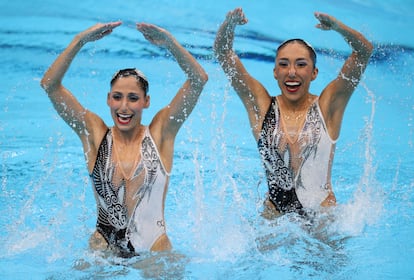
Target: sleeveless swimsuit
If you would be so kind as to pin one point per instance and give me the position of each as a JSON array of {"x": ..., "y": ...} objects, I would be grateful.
[
  {"x": 308, "y": 184},
  {"x": 137, "y": 231}
]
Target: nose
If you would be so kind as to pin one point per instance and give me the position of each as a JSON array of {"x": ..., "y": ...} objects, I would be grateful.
[
  {"x": 124, "y": 105},
  {"x": 292, "y": 71}
]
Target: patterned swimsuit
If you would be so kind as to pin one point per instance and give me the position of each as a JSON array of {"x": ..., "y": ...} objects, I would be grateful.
[
  {"x": 130, "y": 233},
  {"x": 307, "y": 185}
]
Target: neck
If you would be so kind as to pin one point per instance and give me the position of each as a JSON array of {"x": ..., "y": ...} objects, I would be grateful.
[
  {"x": 295, "y": 106},
  {"x": 127, "y": 137}
]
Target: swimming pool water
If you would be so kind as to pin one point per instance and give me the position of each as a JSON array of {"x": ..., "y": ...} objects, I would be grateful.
[{"x": 217, "y": 186}]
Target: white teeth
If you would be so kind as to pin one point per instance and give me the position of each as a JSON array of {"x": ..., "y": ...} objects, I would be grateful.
[
  {"x": 124, "y": 116},
  {"x": 292, "y": 84}
]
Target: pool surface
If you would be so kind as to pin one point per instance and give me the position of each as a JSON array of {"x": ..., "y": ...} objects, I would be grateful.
[{"x": 214, "y": 203}]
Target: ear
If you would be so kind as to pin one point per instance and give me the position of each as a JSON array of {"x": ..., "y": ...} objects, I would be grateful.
[
  {"x": 274, "y": 73},
  {"x": 108, "y": 98},
  {"x": 315, "y": 73},
  {"x": 147, "y": 101}
]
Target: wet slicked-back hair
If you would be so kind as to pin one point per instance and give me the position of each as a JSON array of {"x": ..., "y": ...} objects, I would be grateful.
[
  {"x": 311, "y": 50},
  {"x": 132, "y": 72}
]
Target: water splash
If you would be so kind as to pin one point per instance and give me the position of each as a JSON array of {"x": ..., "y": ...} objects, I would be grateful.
[
  {"x": 366, "y": 206},
  {"x": 221, "y": 232}
]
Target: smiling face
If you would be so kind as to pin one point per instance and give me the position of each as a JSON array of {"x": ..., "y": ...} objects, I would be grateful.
[
  {"x": 294, "y": 71},
  {"x": 127, "y": 100}
]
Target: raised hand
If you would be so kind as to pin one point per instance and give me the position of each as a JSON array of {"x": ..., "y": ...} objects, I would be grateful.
[
  {"x": 98, "y": 31},
  {"x": 236, "y": 17},
  {"x": 154, "y": 34},
  {"x": 327, "y": 22}
]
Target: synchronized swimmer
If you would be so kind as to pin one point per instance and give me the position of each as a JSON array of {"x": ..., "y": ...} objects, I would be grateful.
[{"x": 130, "y": 163}]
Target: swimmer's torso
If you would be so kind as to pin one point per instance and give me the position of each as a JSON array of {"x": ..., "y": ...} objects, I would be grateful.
[
  {"x": 130, "y": 206},
  {"x": 299, "y": 161}
]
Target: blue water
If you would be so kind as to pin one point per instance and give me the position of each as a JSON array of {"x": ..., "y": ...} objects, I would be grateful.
[{"x": 217, "y": 187}]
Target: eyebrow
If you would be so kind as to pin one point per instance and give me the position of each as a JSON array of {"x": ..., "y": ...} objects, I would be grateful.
[
  {"x": 120, "y": 92},
  {"x": 297, "y": 59}
]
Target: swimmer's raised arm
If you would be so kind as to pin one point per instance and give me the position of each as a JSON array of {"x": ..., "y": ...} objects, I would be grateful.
[
  {"x": 251, "y": 92},
  {"x": 72, "y": 112},
  {"x": 336, "y": 95},
  {"x": 172, "y": 116}
]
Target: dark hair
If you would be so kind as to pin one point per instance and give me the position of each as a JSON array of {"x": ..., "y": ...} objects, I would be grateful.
[
  {"x": 302, "y": 42},
  {"x": 132, "y": 72}
]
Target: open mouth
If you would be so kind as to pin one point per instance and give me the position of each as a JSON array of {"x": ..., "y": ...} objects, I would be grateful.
[
  {"x": 292, "y": 86},
  {"x": 124, "y": 118}
]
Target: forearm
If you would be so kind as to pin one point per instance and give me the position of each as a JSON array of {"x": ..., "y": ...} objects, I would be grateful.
[
  {"x": 186, "y": 98},
  {"x": 356, "y": 40},
  {"x": 223, "y": 44},
  {"x": 186, "y": 61},
  {"x": 225, "y": 54},
  {"x": 54, "y": 75}
]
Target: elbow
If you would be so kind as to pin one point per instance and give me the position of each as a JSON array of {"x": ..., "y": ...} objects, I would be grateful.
[
  {"x": 201, "y": 78},
  {"x": 364, "y": 51},
  {"x": 198, "y": 80},
  {"x": 49, "y": 83},
  {"x": 369, "y": 48},
  {"x": 45, "y": 83},
  {"x": 204, "y": 78}
]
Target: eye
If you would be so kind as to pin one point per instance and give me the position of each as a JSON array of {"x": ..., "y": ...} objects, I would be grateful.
[
  {"x": 301, "y": 63},
  {"x": 116, "y": 96},
  {"x": 283, "y": 63},
  {"x": 133, "y": 97}
]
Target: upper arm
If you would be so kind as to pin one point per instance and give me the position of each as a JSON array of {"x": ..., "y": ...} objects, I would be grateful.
[
  {"x": 336, "y": 95},
  {"x": 252, "y": 93},
  {"x": 88, "y": 126},
  {"x": 167, "y": 122},
  {"x": 178, "y": 110},
  {"x": 68, "y": 107}
]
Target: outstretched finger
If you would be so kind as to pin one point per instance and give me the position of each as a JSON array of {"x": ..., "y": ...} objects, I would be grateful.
[
  {"x": 112, "y": 25},
  {"x": 321, "y": 26},
  {"x": 107, "y": 28}
]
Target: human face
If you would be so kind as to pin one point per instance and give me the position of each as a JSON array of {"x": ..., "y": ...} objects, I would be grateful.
[
  {"x": 127, "y": 101},
  {"x": 294, "y": 71}
]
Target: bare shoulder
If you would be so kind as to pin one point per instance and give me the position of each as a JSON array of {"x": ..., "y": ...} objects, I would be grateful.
[
  {"x": 329, "y": 98},
  {"x": 157, "y": 125},
  {"x": 94, "y": 131},
  {"x": 257, "y": 113},
  {"x": 164, "y": 139}
]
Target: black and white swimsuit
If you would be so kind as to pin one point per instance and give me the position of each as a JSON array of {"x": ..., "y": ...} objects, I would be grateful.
[
  {"x": 307, "y": 185},
  {"x": 136, "y": 231}
]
